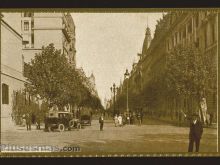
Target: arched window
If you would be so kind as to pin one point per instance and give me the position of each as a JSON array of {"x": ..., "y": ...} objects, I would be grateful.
[{"x": 5, "y": 94}]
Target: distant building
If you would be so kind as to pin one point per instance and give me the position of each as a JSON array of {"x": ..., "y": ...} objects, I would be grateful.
[
  {"x": 41, "y": 29},
  {"x": 92, "y": 84},
  {"x": 89, "y": 81},
  {"x": 11, "y": 65}
]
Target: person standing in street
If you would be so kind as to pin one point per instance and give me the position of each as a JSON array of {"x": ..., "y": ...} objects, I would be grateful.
[
  {"x": 28, "y": 121},
  {"x": 101, "y": 122},
  {"x": 116, "y": 120},
  {"x": 195, "y": 133},
  {"x": 120, "y": 120},
  {"x": 38, "y": 123},
  {"x": 139, "y": 118},
  {"x": 203, "y": 108}
]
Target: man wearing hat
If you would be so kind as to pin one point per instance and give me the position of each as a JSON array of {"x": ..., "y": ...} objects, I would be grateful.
[{"x": 195, "y": 133}]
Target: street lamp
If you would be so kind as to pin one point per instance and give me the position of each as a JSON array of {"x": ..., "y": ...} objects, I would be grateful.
[
  {"x": 113, "y": 89},
  {"x": 126, "y": 76}
]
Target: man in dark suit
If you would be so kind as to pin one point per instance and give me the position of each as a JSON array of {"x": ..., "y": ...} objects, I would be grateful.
[{"x": 195, "y": 133}]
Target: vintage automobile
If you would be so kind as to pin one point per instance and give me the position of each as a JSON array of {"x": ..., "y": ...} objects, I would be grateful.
[
  {"x": 86, "y": 117},
  {"x": 86, "y": 120},
  {"x": 61, "y": 121}
]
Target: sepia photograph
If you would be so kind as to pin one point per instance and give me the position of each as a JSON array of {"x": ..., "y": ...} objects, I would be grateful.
[{"x": 96, "y": 82}]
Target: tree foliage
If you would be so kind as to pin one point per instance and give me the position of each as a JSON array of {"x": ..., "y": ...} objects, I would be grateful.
[
  {"x": 188, "y": 71},
  {"x": 52, "y": 79},
  {"x": 23, "y": 104}
]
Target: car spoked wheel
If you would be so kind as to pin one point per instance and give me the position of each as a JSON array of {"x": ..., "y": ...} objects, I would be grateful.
[{"x": 61, "y": 127}]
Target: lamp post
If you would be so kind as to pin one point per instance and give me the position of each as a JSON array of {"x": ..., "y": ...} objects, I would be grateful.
[
  {"x": 126, "y": 75},
  {"x": 113, "y": 89}
]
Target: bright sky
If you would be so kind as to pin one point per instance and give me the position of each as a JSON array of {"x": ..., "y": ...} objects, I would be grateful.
[{"x": 108, "y": 43}]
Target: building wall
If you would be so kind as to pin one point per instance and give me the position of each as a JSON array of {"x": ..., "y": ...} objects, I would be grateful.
[
  {"x": 46, "y": 28},
  {"x": 45, "y": 37},
  {"x": 11, "y": 48},
  {"x": 11, "y": 67},
  {"x": 13, "y": 19}
]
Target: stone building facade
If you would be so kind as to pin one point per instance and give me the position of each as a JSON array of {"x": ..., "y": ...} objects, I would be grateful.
[{"x": 175, "y": 28}]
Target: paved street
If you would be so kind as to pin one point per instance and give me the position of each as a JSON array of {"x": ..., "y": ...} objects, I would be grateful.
[{"x": 130, "y": 138}]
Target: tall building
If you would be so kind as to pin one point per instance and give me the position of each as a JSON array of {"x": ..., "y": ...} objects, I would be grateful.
[
  {"x": 175, "y": 28},
  {"x": 11, "y": 65},
  {"x": 41, "y": 29}
]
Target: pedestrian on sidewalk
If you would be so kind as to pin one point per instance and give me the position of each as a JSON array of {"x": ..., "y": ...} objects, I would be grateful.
[
  {"x": 195, "y": 133},
  {"x": 120, "y": 120},
  {"x": 28, "y": 121},
  {"x": 116, "y": 120},
  {"x": 38, "y": 123},
  {"x": 139, "y": 119},
  {"x": 128, "y": 119},
  {"x": 101, "y": 122}
]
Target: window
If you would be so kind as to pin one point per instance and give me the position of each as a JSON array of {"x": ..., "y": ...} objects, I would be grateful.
[
  {"x": 197, "y": 42},
  {"x": 32, "y": 39},
  {"x": 197, "y": 20},
  {"x": 205, "y": 36},
  {"x": 184, "y": 33},
  {"x": 176, "y": 37},
  {"x": 26, "y": 25},
  {"x": 28, "y": 14},
  {"x": 213, "y": 33},
  {"x": 190, "y": 27},
  {"x": 168, "y": 46},
  {"x": 5, "y": 94}
]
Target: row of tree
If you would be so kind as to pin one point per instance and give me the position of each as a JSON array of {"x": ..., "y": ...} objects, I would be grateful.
[
  {"x": 186, "y": 76},
  {"x": 54, "y": 81}
]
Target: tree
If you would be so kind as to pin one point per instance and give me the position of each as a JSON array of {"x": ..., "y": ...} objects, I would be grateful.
[
  {"x": 52, "y": 79},
  {"x": 22, "y": 104},
  {"x": 188, "y": 72}
]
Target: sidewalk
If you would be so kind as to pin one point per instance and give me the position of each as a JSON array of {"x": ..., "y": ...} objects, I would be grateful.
[{"x": 20, "y": 128}]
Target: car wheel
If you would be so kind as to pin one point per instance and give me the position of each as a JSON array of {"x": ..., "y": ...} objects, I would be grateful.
[
  {"x": 61, "y": 127},
  {"x": 71, "y": 124}
]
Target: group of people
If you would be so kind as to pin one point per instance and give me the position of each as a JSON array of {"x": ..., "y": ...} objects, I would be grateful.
[
  {"x": 121, "y": 120},
  {"x": 118, "y": 120},
  {"x": 27, "y": 120}
]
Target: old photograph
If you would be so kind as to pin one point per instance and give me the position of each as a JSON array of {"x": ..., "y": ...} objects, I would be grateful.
[{"x": 109, "y": 83}]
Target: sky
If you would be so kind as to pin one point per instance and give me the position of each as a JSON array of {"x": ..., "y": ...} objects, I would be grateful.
[{"x": 108, "y": 43}]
